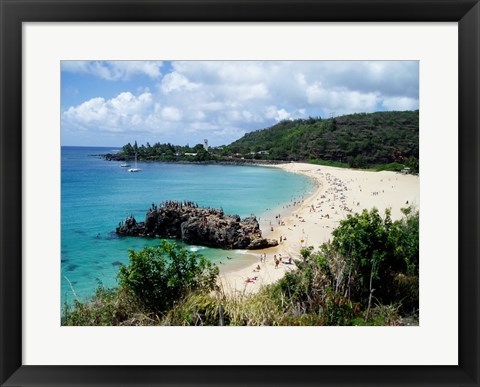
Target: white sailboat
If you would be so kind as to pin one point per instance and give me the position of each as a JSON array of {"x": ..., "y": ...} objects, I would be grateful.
[
  {"x": 135, "y": 169},
  {"x": 125, "y": 165}
]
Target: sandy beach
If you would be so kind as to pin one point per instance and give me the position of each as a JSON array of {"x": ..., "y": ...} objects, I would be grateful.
[{"x": 310, "y": 221}]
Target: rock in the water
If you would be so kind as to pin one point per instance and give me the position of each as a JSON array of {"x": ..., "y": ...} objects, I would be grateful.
[{"x": 199, "y": 226}]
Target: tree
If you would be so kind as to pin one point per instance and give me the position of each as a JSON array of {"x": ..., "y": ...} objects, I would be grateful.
[
  {"x": 362, "y": 239},
  {"x": 358, "y": 161},
  {"x": 198, "y": 148},
  {"x": 202, "y": 155},
  {"x": 383, "y": 254},
  {"x": 413, "y": 164},
  {"x": 128, "y": 150},
  {"x": 158, "y": 277}
]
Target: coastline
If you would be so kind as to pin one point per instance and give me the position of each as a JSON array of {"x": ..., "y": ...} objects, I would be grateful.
[{"x": 339, "y": 192}]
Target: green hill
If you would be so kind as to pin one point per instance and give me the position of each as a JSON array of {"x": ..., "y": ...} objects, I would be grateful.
[
  {"x": 382, "y": 140},
  {"x": 357, "y": 140}
]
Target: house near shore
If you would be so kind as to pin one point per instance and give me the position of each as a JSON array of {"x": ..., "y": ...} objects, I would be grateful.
[{"x": 405, "y": 171}]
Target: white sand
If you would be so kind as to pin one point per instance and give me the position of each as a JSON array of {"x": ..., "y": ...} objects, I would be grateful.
[{"x": 339, "y": 192}]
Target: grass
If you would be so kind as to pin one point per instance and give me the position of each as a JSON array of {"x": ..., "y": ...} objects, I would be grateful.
[
  {"x": 271, "y": 306},
  {"x": 329, "y": 163},
  {"x": 394, "y": 167}
]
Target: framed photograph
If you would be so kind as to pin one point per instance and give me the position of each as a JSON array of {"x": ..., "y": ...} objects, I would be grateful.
[{"x": 239, "y": 193}]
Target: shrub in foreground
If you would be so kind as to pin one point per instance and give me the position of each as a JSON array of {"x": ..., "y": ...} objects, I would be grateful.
[
  {"x": 151, "y": 284},
  {"x": 159, "y": 277}
]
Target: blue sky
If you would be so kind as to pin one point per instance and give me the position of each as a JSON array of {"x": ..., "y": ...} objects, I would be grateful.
[{"x": 111, "y": 103}]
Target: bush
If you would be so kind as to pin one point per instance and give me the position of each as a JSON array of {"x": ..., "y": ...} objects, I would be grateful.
[
  {"x": 195, "y": 309},
  {"x": 394, "y": 167},
  {"x": 107, "y": 307},
  {"x": 159, "y": 277},
  {"x": 317, "y": 290},
  {"x": 383, "y": 254}
]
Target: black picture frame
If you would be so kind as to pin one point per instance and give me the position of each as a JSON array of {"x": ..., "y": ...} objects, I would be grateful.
[{"x": 15, "y": 12}]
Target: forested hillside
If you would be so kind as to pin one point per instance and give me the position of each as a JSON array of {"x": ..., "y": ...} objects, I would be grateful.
[{"x": 359, "y": 140}]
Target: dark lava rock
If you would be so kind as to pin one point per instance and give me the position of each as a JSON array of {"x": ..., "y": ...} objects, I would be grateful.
[{"x": 199, "y": 226}]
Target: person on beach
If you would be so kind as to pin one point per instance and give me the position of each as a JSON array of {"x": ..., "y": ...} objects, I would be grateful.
[{"x": 276, "y": 263}]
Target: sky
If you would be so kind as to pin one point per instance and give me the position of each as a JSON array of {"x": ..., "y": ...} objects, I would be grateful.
[{"x": 111, "y": 103}]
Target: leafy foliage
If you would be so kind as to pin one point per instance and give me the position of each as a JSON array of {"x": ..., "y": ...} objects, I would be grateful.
[
  {"x": 107, "y": 307},
  {"x": 158, "y": 277},
  {"x": 358, "y": 140},
  {"x": 164, "y": 152},
  {"x": 150, "y": 285},
  {"x": 369, "y": 255},
  {"x": 383, "y": 255}
]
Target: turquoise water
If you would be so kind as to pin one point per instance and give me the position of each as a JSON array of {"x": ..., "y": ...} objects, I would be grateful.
[{"x": 98, "y": 194}]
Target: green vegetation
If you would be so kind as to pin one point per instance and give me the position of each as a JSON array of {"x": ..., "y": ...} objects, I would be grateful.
[
  {"x": 367, "y": 275},
  {"x": 329, "y": 163},
  {"x": 359, "y": 140},
  {"x": 392, "y": 167},
  {"x": 164, "y": 152},
  {"x": 159, "y": 277},
  {"x": 153, "y": 282},
  {"x": 385, "y": 140}
]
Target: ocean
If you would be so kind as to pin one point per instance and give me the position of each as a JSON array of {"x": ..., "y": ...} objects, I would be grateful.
[{"x": 98, "y": 194}]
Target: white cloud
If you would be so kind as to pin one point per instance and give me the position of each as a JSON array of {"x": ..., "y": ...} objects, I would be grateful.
[
  {"x": 114, "y": 70},
  {"x": 239, "y": 93},
  {"x": 201, "y": 127},
  {"x": 341, "y": 100},
  {"x": 229, "y": 98},
  {"x": 282, "y": 114},
  {"x": 400, "y": 103},
  {"x": 171, "y": 114},
  {"x": 219, "y": 72},
  {"x": 92, "y": 110},
  {"x": 199, "y": 115},
  {"x": 118, "y": 114},
  {"x": 230, "y": 132},
  {"x": 212, "y": 106},
  {"x": 127, "y": 103},
  {"x": 175, "y": 81}
]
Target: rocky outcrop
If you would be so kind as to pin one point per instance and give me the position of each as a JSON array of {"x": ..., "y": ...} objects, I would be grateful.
[{"x": 198, "y": 226}]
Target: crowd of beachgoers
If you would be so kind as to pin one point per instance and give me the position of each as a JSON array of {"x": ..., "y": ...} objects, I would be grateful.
[{"x": 309, "y": 221}]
